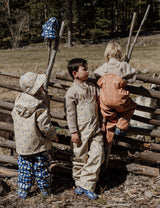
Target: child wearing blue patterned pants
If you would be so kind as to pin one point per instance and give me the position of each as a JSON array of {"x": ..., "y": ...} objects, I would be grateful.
[{"x": 33, "y": 134}]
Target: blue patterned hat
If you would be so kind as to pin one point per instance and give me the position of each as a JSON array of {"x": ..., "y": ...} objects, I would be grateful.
[{"x": 50, "y": 28}]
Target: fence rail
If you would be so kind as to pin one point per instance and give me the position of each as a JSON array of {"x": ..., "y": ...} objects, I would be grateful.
[{"x": 133, "y": 150}]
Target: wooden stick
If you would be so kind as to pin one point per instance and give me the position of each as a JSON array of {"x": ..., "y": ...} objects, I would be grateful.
[
  {"x": 49, "y": 40},
  {"x": 52, "y": 59},
  {"x": 109, "y": 147},
  {"x": 130, "y": 36},
  {"x": 135, "y": 40}
]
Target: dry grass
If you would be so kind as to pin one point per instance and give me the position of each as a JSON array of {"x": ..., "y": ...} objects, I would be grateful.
[{"x": 34, "y": 58}]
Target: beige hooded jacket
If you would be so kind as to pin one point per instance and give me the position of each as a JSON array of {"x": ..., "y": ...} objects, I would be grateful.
[{"x": 32, "y": 124}]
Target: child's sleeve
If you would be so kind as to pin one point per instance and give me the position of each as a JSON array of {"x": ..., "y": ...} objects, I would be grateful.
[
  {"x": 45, "y": 125},
  {"x": 70, "y": 107},
  {"x": 128, "y": 73}
]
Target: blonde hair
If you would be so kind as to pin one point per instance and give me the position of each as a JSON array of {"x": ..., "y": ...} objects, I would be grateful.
[{"x": 113, "y": 50}]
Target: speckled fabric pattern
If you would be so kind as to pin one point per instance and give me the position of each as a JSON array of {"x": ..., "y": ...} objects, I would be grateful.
[
  {"x": 81, "y": 103},
  {"x": 31, "y": 82},
  {"x": 32, "y": 125}
]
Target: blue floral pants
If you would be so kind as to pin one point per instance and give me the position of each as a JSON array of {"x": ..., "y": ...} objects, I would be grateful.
[{"x": 31, "y": 168}]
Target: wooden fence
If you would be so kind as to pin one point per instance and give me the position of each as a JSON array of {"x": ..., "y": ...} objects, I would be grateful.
[{"x": 130, "y": 154}]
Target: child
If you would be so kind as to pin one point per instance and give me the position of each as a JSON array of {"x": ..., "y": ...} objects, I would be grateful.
[
  {"x": 116, "y": 106},
  {"x": 33, "y": 134},
  {"x": 83, "y": 122}
]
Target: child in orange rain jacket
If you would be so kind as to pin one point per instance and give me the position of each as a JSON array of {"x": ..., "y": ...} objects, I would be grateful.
[{"x": 116, "y": 106}]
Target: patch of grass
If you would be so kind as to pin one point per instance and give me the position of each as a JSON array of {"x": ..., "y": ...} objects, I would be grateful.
[{"x": 34, "y": 58}]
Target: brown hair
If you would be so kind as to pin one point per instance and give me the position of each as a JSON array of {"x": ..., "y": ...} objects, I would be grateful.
[{"x": 73, "y": 65}]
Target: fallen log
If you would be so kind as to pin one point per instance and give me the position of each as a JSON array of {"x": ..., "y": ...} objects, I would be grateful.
[
  {"x": 153, "y": 146},
  {"x": 132, "y": 168},
  {"x": 7, "y": 143},
  {"x": 53, "y": 97},
  {"x": 146, "y": 120},
  {"x": 152, "y": 80},
  {"x": 142, "y": 170},
  {"x": 131, "y": 130},
  {"x": 132, "y": 89},
  {"x": 143, "y": 131},
  {"x": 12, "y": 75},
  {"x": 52, "y": 83},
  {"x": 148, "y": 109},
  {"x": 62, "y": 75},
  {"x": 6, "y": 105},
  {"x": 143, "y": 91},
  {"x": 8, "y": 159},
  {"x": 7, "y": 173},
  {"x": 136, "y": 144},
  {"x": 61, "y": 116},
  {"x": 5, "y": 112},
  {"x": 6, "y": 126},
  {"x": 148, "y": 156},
  {"x": 10, "y": 87},
  {"x": 9, "y": 106}
]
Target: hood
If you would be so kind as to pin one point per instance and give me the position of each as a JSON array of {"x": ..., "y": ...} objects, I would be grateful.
[
  {"x": 31, "y": 82},
  {"x": 25, "y": 105}
]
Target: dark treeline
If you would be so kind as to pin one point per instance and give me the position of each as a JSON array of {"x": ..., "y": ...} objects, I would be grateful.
[{"x": 88, "y": 20}]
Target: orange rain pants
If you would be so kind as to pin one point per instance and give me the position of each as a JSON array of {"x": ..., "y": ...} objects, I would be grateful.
[{"x": 116, "y": 106}]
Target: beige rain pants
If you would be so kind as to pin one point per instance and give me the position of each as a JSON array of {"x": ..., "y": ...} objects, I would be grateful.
[{"x": 89, "y": 154}]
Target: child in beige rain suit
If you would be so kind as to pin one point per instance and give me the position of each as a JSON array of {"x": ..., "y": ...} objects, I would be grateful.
[
  {"x": 33, "y": 134},
  {"x": 83, "y": 122},
  {"x": 116, "y": 106}
]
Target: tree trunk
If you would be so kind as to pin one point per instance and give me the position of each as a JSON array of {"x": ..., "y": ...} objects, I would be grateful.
[{"x": 70, "y": 28}]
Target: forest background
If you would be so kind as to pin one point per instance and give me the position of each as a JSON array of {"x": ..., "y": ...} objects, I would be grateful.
[{"x": 89, "y": 21}]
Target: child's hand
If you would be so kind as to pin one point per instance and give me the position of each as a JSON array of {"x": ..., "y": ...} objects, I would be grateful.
[
  {"x": 103, "y": 127},
  {"x": 75, "y": 138}
]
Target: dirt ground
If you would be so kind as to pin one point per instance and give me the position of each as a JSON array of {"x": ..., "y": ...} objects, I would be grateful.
[{"x": 121, "y": 190}]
